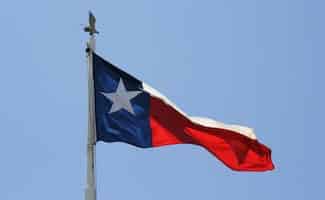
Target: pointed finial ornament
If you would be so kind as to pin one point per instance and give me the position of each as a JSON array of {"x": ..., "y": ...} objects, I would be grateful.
[{"x": 91, "y": 28}]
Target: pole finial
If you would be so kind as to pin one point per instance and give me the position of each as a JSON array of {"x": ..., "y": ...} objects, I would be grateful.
[{"x": 91, "y": 28}]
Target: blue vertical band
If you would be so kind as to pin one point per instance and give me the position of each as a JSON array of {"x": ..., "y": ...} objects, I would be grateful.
[{"x": 121, "y": 125}]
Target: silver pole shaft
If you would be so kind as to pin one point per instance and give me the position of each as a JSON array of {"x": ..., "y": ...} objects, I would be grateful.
[{"x": 90, "y": 193}]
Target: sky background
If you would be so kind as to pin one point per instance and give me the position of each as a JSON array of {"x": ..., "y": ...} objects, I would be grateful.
[{"x": 254, "y": 63}]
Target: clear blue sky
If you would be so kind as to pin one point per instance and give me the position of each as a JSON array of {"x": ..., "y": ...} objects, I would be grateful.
[{"x": 255, "y": 63}]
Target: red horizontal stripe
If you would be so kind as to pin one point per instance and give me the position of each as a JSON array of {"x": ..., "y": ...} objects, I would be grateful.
[{"x": 235, "y": 150}]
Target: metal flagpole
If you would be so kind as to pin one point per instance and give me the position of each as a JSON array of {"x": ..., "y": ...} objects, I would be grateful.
[{"x": 90, "y": 192}]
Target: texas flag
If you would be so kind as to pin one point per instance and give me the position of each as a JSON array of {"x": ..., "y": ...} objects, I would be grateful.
[{"x": 130, "y": 111}]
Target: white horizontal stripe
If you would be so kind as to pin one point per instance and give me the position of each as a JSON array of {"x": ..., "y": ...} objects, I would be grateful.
[{"x": 201, "y": 120}]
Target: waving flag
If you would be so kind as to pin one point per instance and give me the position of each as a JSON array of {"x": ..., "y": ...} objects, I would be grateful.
[{"x": 128, "y": 110}]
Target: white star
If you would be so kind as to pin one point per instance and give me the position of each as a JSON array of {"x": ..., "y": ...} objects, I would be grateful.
[{"x": 121, "y": 98}]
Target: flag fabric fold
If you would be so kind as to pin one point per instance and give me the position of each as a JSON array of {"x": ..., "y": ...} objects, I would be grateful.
[{"x": 130, "y": 111}]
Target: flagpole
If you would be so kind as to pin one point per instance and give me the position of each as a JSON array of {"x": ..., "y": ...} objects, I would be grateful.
[{"x": 90, "y": 191}]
